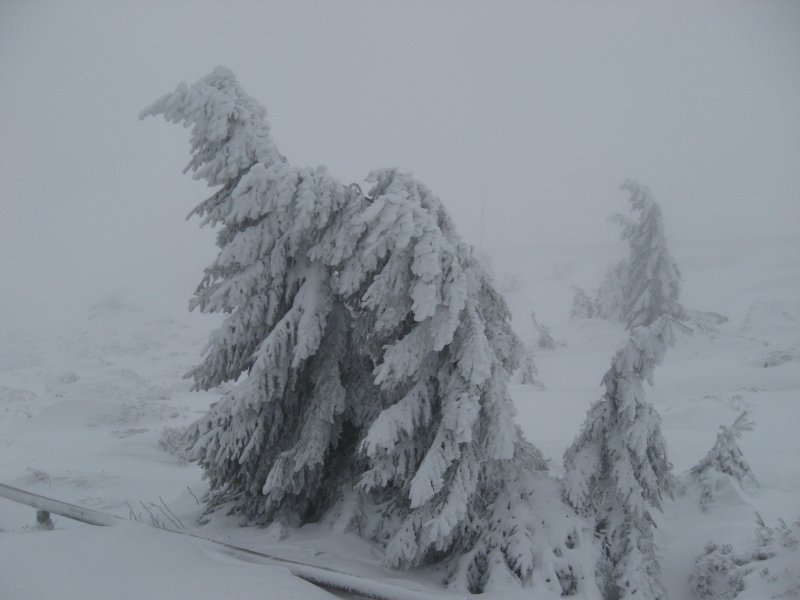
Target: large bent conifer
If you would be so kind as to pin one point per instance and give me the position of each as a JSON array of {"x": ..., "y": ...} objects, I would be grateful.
[{"x": 370, "y": 354}]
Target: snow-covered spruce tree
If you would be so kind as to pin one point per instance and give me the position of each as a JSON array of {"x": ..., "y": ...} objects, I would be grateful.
[
  {"x": 582, "y": 305},
  {"x": 528, "y": 370},
  {"x": 617, "y": 468},
  {"x": 544, "y": 339},
  {"x": 609, "y": 299},
  {"x": 371, "y": 356},
  {"x": 651, "y": 283},
  {"x": 724, "y": 461},
  {"x": 281, "y": 310}
]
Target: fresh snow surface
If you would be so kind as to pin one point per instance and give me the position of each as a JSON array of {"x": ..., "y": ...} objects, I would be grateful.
[
  {"x": 135, "y": 562},
  {"x": 82, "y": 409}
]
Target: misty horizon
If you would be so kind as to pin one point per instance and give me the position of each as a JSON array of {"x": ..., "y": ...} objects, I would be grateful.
[{"x": 524, "y": 118}]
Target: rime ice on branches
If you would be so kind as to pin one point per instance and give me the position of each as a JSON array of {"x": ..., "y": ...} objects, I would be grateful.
[
  {"x": 617, "y": 469},
  {"x": 370, "y": 353}
]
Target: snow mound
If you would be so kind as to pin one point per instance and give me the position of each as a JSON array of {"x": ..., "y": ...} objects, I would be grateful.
[
  {"x": 18, "y": 352},
  {"x": 776, "y": 358},
  {"x": 705, "y": 321},
  {"x": 14, "y": 396},
  {"x": 114, "y": 397},
  {"x": 118, "y": 328},
  {"x": 773, "y": 316}
]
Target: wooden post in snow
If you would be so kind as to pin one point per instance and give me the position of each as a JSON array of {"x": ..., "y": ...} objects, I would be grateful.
[{"x": 43, "y": 520}]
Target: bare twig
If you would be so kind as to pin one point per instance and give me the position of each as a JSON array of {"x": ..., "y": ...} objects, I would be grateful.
[
  {"x": 132, "y": 513},
  {"x": 173, "y": 517},
  {"x": 154, "y": 520}
]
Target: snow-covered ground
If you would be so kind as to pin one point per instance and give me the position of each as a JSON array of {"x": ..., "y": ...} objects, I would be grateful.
[{"x": 82, "y": 410}]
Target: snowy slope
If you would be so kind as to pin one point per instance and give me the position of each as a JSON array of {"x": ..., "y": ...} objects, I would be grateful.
[{"x": 82, "y": 409}]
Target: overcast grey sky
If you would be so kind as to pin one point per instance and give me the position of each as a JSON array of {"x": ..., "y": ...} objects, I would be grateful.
[{"x": 537, "y": 109}]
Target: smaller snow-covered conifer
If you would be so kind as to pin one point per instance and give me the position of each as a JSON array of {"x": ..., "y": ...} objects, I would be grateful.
[
  {"x": 652, "y": 283},
  {"x": 724, "y": 460},
  {"x": 544, "y": 339},
  {"x": 617, "y": 468},
  {"x": 582, "y": 305},
  {"x": 646, "y": 284},
  {"x": 609, "y": 300},
  {"x": 768, "y": 569},
  {"x": 528, "y": 367},
  {"x": 718, "y": 573}
]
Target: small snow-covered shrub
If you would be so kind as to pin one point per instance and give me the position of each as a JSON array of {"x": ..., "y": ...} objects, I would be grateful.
[
  {"x": 704, "y": 321},
  {"x": 14, "y": 395},
  {"x": 14, "y": 401},
  {"x": 776, "y": 358},
  {"x": 724, "y": 462},
  {"x": 174, "y": 441},
  {"x": 61, "y": 378},
  {"x": 770, "y": 568},
  {"x": 719, "y": 573}
]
